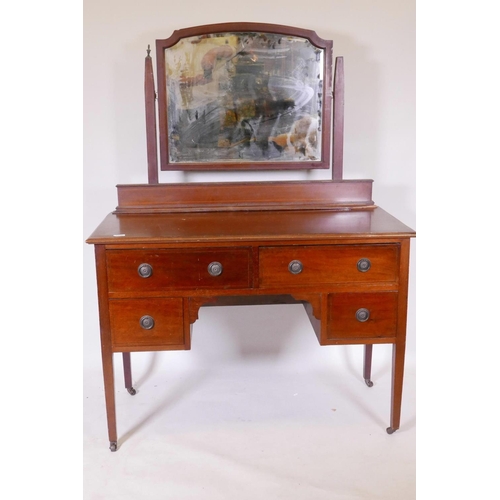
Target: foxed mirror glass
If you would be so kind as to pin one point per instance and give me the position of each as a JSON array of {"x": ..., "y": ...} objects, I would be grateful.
[{"x": 244, "y": 100}]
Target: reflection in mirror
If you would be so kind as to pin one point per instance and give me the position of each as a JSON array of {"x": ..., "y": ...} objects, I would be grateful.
[{"x": 244, "y": 97}]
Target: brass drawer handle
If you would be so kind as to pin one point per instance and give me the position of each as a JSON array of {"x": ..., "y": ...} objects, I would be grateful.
[
  {"x": 362, "y": 315},
  {"x": 295, "y": 267},
  {"x": 145, "y": 270},
  {"x": 364, "y": 265},
  {"x": 147, "y": 322},
  {"x": 215, "y": 268}
]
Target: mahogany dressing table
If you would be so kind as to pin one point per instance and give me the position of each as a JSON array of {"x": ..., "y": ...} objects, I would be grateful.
[{"x": 239, "y": 96}]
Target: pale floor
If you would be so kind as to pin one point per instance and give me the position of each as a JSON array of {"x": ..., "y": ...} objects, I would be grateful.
[{"x": 251, "y": 412}]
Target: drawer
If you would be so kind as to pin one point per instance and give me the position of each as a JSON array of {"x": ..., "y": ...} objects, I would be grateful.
[
  {"x": 360, "y": 315},
  {"x": 146, "y": 322},
  {"x": 312, "y": 265},
  {"x": 139, "y": 270}
]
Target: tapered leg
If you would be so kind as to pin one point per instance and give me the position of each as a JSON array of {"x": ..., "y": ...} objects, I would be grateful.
[
  {"x": 109, "y": 394},
  {"x": 398, "y": 349},
  {"x": 398, "y": 360},
  {"x": 106, "y": 345},
  {"x": 367, "y": 365},
  {"x": 127, "y": 372}
]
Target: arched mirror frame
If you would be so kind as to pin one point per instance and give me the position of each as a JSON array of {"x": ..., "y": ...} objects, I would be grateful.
[{"x": 329, "y": 152}]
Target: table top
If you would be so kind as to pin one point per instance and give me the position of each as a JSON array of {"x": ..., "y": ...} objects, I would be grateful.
[{"x": 248, "y": 226}]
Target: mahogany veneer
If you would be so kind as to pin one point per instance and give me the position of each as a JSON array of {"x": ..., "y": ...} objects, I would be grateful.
[
  {"x": 254, "y": 250},
  {"x": 234, "y": 196},
  {"x": 169, "y": 249}
]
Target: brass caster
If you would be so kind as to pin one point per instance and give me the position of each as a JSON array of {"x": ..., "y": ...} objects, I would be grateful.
[
  {"x": 390, "y": 430},
  {"x": 132, "y": 391},
  {"x": 368, "y": 382},
  {"x": 113, "y": 446}
]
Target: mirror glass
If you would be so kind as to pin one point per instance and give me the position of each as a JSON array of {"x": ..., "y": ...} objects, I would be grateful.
[{"x": 244, "y": 97}]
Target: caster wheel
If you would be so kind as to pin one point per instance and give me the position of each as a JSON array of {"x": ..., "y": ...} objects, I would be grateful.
[
  {"x": 390, "y": 430},
  {"x": 113, "y": 446},
  {"x": 132, "y": 391},
  {"x": 368, "y": 382}
]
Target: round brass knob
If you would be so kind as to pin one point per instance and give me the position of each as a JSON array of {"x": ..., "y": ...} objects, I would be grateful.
[
  {"x": 145, "y": 270},
  {"x": 215, "y": 268},
  {"x": 147, "y": 322},
  {"x": 362, "y": 315},
  {"x": 364, "y": 265},
  {"x": 295, "y": 267}
]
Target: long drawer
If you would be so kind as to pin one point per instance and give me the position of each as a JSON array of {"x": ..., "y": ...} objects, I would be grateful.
[
  {"x": 313, "y": 265},
  {"x": 140, "y": 270},
  {"x": 146, "y": 322}
]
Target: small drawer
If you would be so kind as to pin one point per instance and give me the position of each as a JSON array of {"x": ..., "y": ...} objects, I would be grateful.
[
  {"x": 146, "y": 322},
  {"x": 313, "y": 265},
  {"x": 140, "y": 271},
  {"x": 360, "y": 315}
]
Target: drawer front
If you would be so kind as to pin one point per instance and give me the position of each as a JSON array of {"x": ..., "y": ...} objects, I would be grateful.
[
  {"x": 138, "y": 270},
  {"x": 303, "y": 265},
  {"x": 146, "y": 322},
  {"x": 360, "y": 315}
]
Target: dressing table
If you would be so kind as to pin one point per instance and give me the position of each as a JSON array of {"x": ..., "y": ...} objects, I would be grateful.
[{"x": 247, "y": 96}]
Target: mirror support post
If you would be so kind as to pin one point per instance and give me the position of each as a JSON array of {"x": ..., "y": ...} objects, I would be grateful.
[
  {"x": 338, "y": 120},
  {"x": 150, "y": 97}
]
